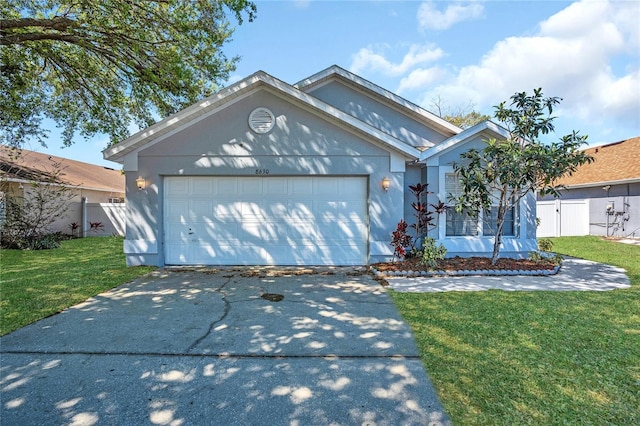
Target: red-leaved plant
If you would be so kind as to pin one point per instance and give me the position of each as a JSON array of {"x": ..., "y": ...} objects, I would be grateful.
[
  {"x": 424, "y": 222},
  {"x": 400, "y": 240}
]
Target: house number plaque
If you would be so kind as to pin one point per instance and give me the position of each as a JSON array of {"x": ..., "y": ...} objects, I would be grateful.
[{"x": 262, "y": 172}]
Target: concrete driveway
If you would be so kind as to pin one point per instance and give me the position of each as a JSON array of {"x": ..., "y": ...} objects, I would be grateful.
[{"x": 230, "y": 346}]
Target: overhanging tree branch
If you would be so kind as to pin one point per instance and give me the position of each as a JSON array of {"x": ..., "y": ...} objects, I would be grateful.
[{"x": 148, "y": 58}]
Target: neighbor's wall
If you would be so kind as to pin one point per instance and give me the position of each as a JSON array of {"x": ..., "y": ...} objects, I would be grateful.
[
  {"x": 623, "y": 219},
  {"x": 74, "y": 213},
  {"x": 301, "y": 143}
]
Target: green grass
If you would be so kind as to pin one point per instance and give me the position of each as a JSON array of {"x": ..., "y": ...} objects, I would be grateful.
[
  {"x": 36, "y": 284},
  {"x": 500, "y": 357}
]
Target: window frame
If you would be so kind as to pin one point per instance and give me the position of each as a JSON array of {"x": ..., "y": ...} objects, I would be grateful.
[{"x": 480, "y": 223}]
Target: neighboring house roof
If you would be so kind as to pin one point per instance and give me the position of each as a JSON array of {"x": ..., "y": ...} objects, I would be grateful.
[
  {"x": 336, "y": 72},
  {"x": 36, "y": 166},
  {"x": 244, "y": 88},
  {"x": 617, "y": 162}
]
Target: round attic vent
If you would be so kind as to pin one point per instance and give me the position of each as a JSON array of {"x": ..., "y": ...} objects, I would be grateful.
[{"x": 261, "y": 120}]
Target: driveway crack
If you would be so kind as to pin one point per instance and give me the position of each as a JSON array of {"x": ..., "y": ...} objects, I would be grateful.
[{"x": 227, "y": 308}]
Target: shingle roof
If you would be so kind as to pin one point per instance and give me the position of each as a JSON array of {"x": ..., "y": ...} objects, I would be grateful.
[
  {"x": 618, "y": 161},
  {"x": 36, "y": 166}
]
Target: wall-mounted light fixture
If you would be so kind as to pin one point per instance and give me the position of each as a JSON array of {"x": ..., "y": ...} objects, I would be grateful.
[
  {"x": 386, "y": 183},
  {"x": 140, "y": 183}
]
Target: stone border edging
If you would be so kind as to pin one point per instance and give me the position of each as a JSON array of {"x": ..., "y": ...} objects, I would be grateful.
[{"x": 484, "y": 272}]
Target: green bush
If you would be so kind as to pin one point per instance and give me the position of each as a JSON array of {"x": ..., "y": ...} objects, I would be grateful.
[
  {"x": 556, "y": 258},
  {"x": 432, "y": 252},
  {"x": 545, "y": 244},
  {"x": 32, "y": 242}
]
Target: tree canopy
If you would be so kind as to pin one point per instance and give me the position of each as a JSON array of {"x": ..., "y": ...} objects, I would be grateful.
[
  {"x": 463, "y": 117},
  {"x": 501, "y": 174},
  {"x": 98, "y": 66}
]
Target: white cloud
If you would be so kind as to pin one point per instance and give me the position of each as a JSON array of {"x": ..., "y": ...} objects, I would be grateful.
[
  {"x": 429, "y": 17},
  {"x": 420, "y": 78},
  {"x": 574, "y": 56},
  {"x": 367, "y": 60}
]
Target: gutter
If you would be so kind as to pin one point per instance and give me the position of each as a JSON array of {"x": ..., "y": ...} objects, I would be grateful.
[{"x": 603, "y": 183}]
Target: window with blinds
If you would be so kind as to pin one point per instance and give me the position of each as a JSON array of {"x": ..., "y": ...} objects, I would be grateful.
[
  {"x": 462, "y": 224},
  {"x": 458, "y": 224}
]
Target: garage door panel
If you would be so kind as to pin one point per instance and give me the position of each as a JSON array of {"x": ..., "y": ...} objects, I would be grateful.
[
  {"x": 177, "y": 187},
  {"x": 266, "y": 220},
  {"x": 201, "y": 186},
  {"x": 252, "y": 211},
  {"x": 225, "y": 186},
  {"x": 277, "y": 211},
  {"x": 276, "y": 186},
  {"x": 349, "y": 186},
  {"x": 257, "y": 233},
  {"x": 326, "y": 187},
  {"x": 175, "y": 210},
  {"x": 301, "y": 187},
  {"x": 251, "y": 186}
]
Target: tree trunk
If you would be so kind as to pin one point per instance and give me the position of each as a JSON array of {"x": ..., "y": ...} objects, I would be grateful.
[{"x": 497, "y": 240}]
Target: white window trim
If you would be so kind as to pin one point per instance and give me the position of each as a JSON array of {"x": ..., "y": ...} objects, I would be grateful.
[{"x": 442, "y": 220}]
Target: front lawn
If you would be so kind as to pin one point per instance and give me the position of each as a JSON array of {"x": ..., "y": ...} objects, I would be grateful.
[
  {"x": 500, "y": 357},
  {"x": 36, "y": 284}
]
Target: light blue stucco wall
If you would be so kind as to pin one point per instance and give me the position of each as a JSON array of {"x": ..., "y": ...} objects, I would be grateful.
[
  {"x": 377, "y": 114},
  {"x": 518, "y": 246},
  {"x": 302, "y": 143}
]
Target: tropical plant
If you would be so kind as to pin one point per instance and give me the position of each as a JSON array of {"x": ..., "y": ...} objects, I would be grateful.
[
  {"x": 505, "y": 171},
  {"x": 423, "y": 213},
  {"x": 400, "y": 240},
  {"x": 432, "y": 252}
]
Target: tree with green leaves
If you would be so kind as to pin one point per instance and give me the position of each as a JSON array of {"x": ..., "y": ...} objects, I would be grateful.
[
  {"x": 99, "y": 66},
  {"x": 463, "y": 117},
  {"x": 494, "y": 180}
]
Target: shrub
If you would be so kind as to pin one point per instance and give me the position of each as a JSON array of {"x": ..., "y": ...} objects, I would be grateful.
[
  {"x": 32, "y": 242},
  {"x": 400, "y": 239},
  {"x": 545, "y": 244},
  {"x": 432, "y": 252},
  {"x": 556, "y": 258}
]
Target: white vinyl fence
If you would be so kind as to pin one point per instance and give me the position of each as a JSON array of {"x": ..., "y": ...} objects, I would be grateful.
[
  {"x": 563, "y": 218},
  {"x": 109, "y": 216}
]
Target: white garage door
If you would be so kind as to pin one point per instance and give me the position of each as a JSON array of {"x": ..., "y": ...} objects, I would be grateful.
[{"x": 265, "y": 220}]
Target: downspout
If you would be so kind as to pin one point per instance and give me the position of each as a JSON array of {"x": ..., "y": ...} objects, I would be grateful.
[{"x": 84, "y": 216}]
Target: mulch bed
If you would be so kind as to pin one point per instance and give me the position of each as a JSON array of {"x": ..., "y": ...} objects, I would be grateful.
[{"x": 466, "y": 263}]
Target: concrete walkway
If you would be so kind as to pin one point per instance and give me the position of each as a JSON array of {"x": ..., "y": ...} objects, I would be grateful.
[
  {"x": 574, "y": 275},
  {"x": 228, "y": 347}
]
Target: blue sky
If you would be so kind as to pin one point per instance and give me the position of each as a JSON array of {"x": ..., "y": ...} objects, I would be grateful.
[{"x": 465, "y": 53}]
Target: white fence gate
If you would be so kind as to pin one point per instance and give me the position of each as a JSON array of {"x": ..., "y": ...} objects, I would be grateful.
[{"x": 563, "y": 218}]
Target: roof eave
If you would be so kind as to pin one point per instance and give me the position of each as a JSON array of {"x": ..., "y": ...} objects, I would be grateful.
[
  {"x": 117, "y": 152},
  {"x": 603, "y": 183},
  {"x": 336, "y": 71},
  {"x": 446, "y": 145},
  {"x": 184, "y": 117}
]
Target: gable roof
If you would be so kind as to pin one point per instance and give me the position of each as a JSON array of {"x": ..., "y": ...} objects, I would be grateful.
[
  {"x": 617, "y": 162},
  {"x": 39, "y": 167},
  {"x": 489, "y": 128},
  {"x": 238, "y": 91},
  {"x": 389, "y": 98}
]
